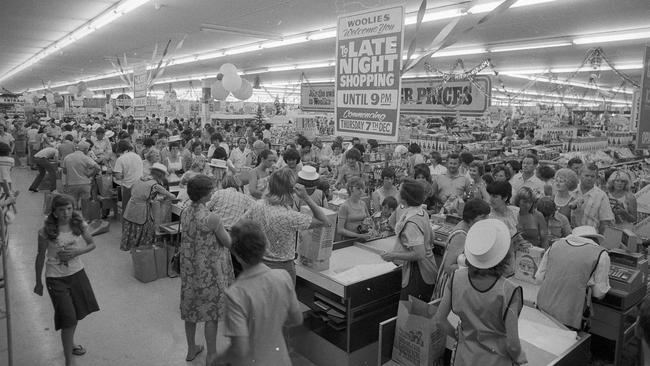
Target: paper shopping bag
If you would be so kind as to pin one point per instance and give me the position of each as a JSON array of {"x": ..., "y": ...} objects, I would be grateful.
[
  {"x": 144, "y": 264},
  {"x": 160, "y": 254},
  {"x": 161, "y": 210},
  {"x": 418, "y": 341},
  {"x": 104, "y": 184}
]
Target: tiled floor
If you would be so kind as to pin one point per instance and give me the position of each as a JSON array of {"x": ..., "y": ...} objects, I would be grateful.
[{"x": 139, "y": 324}]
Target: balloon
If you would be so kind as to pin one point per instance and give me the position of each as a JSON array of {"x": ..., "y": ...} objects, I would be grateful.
[
  {"x": 231, "y": 82},
  {"x": 218, "y": 91},
  {"x": 50, "y": 98},
  {"x": 72, "y": 89},
  {"x": 245, "y": 91},
  {"x": 228, "y": 69}
]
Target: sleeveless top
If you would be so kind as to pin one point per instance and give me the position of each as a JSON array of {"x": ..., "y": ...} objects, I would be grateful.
[
  {"x": 356, "y": 215},
  {"x": 482, "y": 329},
  {"x": 427, "y": 265},
  {"x": 54, "y": 267},
  {"x": 174, "y": 166},
  {"x": 137, "y": 210},
  {"x": 563, "y": 292}
]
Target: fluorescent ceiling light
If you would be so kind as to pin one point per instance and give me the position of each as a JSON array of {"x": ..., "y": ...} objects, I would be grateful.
[
  {"x": 236, "y": 51},
  {"x": 285, "y": 42},
  {"x": 99, "y": 21},
  {"x": 613, "y": 37},
  {"x": 281, "y": 68},
  {"x": 529, "y": 46},
  {"x": 459, "y": 52},
  {"x": 256, "y": 71},
  {"x": 489, "y": 6},
  {"x": 433, "y": 14},
  {"x": 322, "y": 35},
  {"x": 560, "y": 70},
  {"x": 564, "y": 82}
]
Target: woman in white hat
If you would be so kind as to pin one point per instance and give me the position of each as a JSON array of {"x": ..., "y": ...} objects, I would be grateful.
[
  {"x": 487, "y": 303},
  {"x": 309, "y": 178},
  {"x": 138, "y": 226}
]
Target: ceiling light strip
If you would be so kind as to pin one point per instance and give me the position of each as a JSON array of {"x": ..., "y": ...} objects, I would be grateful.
[{"x": 90, "y": 26}]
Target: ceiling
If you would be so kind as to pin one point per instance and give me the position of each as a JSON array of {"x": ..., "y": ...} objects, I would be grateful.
[{"x": 30, "y": 25}]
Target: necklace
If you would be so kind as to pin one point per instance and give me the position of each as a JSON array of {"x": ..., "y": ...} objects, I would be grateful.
[{"x": 560, "y": 203}]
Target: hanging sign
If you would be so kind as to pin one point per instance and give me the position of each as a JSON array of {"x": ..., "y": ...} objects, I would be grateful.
[
  {"x": 368, "y": 64},
  {"x": 140, "y": 78},
  {"x": 123, "y": 101},
  {"x": 422, "y": 96},
  {"x": 643, "y": 134}
]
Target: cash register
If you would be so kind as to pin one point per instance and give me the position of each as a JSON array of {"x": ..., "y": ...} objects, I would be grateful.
[
  {"x": 442, "y": 229},
  {"x": 628, "y": 269}
]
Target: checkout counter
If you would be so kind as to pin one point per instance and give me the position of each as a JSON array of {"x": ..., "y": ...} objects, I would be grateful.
[{"x": 352, "y": 305}]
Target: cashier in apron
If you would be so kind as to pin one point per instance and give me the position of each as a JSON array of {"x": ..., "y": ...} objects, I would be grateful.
[
  {"x": 571, "y": 271},
  {"x": 413, "y": 243}
]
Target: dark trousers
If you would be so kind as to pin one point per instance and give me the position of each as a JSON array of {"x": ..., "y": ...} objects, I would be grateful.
[{"x": 44, "y": 166}]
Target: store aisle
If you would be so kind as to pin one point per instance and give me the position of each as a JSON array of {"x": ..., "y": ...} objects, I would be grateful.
[{"x": 138, "y": 324}]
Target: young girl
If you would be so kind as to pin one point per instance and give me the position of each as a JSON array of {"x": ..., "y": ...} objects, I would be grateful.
[
  {"x": 487, "y": 303},
  {"x": 61, "y": 241}
]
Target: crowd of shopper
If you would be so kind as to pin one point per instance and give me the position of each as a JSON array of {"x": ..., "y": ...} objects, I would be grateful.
[{"x": 243, "y": 203}]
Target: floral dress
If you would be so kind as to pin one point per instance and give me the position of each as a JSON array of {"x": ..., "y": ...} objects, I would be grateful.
[{"x": 206, "y": 267}]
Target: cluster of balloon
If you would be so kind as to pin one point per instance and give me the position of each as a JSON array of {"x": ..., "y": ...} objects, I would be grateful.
[
  {"x": 80, "y": 90},
  {"x": 228, "y": 81}
]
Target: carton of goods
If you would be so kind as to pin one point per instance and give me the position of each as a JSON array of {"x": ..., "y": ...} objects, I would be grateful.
[
  {"x": 526, "y": 263},
  {"x": 315, "y": 245}
]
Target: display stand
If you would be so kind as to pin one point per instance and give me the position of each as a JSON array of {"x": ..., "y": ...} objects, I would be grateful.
[{"x": 5, "y": 314}]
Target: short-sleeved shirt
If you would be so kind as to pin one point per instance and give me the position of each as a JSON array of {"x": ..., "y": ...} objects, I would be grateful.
[
  {"x": 594, "y": 209},
  {"x": 446, "y": 186},
  {"x": 558, "y": 226},
  {"x": 131, "y": 167},
  {"x": 258, "y": 305},
  {"x": 77, "y": 166},
  {"x": 47, "y": 153},
  {"x": 6, "y": 163},
  {"x": 533, "y": 183},
  {"x": 230, "y": 205},
  {"x": 280, "y": 224}
]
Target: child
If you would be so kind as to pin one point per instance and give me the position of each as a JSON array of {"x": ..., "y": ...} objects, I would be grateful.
[
  {"x": 487, "y": 303},
  {"x": 381, "y": 218},
  {"x": 258, "y": 304}
]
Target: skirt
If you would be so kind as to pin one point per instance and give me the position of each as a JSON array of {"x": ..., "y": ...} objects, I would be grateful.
[
  {"x": 73, "y": 298},
  {"x": 135, "y": 235},
  {"x": 416, "y": 286}
]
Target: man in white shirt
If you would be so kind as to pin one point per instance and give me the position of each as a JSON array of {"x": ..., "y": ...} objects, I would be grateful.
[
  {"x": 78, "y": 167},
  {"x": 436, "y": 167},
  {"x": 527, "y": 177},
  {"x": 571, "y": 271},
  {"x": 128, "y": 169},
  {"x": 591, "y": 204}
]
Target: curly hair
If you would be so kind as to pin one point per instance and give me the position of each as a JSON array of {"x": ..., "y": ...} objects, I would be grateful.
[
  {"x": 504, "y": 169},
  {"x": 422, "y": 170},
  {"x": 412, "y": 192},
  {"x": 355, "y": 182},
  {"x": 51, "y": 226},
  {"x": 619, "y": 174},
  {"x": 291, "y": 154},
  {"x": 199, "y": 186},
  {"x": 353, "y": 154},
  {"x": 569, "y": 176}
]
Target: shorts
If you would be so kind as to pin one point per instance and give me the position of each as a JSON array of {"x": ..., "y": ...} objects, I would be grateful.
[
  {"x": 72, "y": 297},
  {"x": 78, "y": 191}
]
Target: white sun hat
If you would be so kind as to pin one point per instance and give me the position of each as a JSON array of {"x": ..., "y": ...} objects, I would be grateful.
[
  {"x": 487, "y": 243},
  {"x": 308, "y": 172},
  {"x": 588, "y": 232},
  {"x": 218, "y": 163},
  {"x": 159, "y": 167}
]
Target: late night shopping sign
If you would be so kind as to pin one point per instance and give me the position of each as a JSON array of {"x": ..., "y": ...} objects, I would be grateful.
[{"x": 368, "y": 63}]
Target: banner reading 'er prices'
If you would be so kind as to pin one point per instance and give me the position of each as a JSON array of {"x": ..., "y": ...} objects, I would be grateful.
[{"x": 368, "y": 63}]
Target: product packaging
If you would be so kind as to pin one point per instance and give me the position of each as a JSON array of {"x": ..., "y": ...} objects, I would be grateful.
[
  {"x": 526, "y": 263},
  {"x": 315, "y": 245}
]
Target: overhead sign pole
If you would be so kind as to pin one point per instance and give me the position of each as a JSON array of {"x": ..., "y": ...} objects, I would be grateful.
[
  {"x": 368, "y": 63},
  {"x": 643, "y": 133}
]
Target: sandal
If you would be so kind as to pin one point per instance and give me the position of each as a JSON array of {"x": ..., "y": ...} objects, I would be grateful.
[
  {"x": 78, "y": 350},
  {"x": 198, "y": 349}
]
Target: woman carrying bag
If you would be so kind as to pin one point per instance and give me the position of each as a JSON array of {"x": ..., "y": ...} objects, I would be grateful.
[{"x": 138, "y": 227}]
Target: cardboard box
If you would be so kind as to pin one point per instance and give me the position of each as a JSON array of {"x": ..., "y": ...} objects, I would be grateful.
[
  {"x": 526, "y": 263},
  {"x": 315, "y": 245}
]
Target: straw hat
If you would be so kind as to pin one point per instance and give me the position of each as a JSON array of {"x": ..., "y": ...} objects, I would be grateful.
[
  {"x": 109, "y": 134},
  {"x": 308, "y": 172},
  {"x": 159, "y": 167},
  {"x": 174, "y": 138},
  {"x": 218, "y": 163},
  {"x": 487, "y": 243},
  {"x": 588, "y": 232}
]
